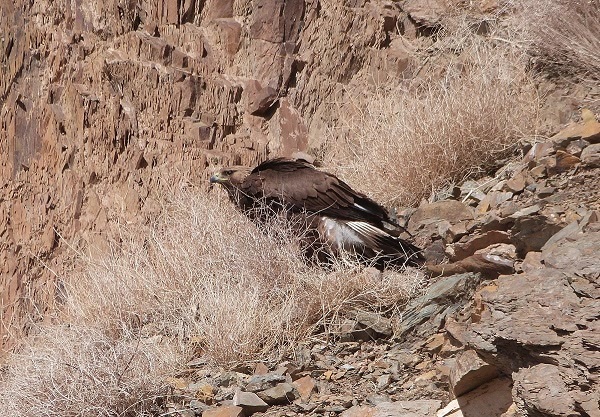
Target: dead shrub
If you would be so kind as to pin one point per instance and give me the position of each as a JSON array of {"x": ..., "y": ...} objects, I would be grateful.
[
  {"x": 80, "y": 371},
  {"x": 207, "y": 277},
  {"x": 564, "y": 36},
  {"x": 202, "y": 275},
  {"x": 402, "y": 143},
  {"x": 343, "y": 291}
]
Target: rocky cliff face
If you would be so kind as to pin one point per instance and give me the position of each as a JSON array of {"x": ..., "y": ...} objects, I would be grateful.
[{"x": 105, "y": 104}]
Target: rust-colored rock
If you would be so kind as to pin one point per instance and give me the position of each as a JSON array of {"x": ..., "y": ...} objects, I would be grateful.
[
  {"x": 532, "y": 261},
  {"x": 470, "y": 371},
  {"x": 305, "y": 386},
  {"x": 542, "y": 389},
  {"x": 488, "y": 265},
  {"x": 259, "y": 99},
  {"x": 492, "y": 200},
  {"x": 517, "y": 183},
  {"x": 449, "y": 210},
  {"x": 539, "y": 151},
  {"x": 564, "y": 332},
  {"x": 589, "y": 130},
  {"x": 562, "y": 161},
  {"x": 473, "y": 244},
  {"x": 426, "y": 13},
  {"x": 261, "y": 369}
]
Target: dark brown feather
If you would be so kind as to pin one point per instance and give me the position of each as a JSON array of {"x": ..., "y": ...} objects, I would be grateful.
[{"x": 295, "y": 183}]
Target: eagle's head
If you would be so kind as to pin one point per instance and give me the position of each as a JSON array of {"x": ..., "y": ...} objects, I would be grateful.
[{"x": 230, "y": 176}]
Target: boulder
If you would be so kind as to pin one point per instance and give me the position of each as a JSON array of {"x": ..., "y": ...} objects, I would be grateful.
[
  {"x": 542, "y": 390},
  {"x": 551, "y": 356}
]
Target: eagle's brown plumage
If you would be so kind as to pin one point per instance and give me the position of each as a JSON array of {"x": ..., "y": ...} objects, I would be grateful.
[{"x": 338, "y": 218}]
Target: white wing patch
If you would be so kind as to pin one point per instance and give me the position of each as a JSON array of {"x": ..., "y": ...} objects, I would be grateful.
[
  {"x": 342, "y": 236},
  {"x": 349, "y": 235},
  {"x": 366, "y": 229}
]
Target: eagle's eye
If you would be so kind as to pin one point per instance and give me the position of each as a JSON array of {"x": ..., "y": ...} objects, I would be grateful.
[{"x": 228, "y": 172}]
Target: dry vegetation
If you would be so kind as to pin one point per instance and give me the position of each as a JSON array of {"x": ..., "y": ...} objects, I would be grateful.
[
  {"x": 564, "y": 36},
  {"x": 73, "y": 370},
  {"x": 203, "y": 281},
  {"x": 404, "y": 142}
]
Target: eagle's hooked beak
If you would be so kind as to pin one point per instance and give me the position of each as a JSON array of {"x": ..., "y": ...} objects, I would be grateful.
[{"x": 214, "y": 179}]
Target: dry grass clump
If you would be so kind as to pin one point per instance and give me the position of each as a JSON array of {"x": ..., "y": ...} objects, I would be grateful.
[
  {"x": 344, "y": 291},
  {"x": 203, "y": 281},
  {"x": 401, "y": 143},
  {"x": 206, "y": 275},
  {"x": 79, "y": 371},
  {"x": 202, "y": 275},
  {"x": 564, "y": 35}
]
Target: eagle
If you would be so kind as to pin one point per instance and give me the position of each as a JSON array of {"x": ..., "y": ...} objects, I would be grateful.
[{"x": 336, "y": 219}]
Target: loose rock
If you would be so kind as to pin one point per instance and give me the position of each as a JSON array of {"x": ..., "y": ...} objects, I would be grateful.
[
  {"x": 470, "y": 371},
  {"x": 591, "y": 156},
  {"x": 493, "y": 399},
  {"x": 305, "y": 387},
  {"x": 250, "y": 402},
  {"x": 283, "y": 393},
  {"x": 263, "y": 382},
  {"x": 417, "y": 408},
  {"x": 224, "y": 411}
]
